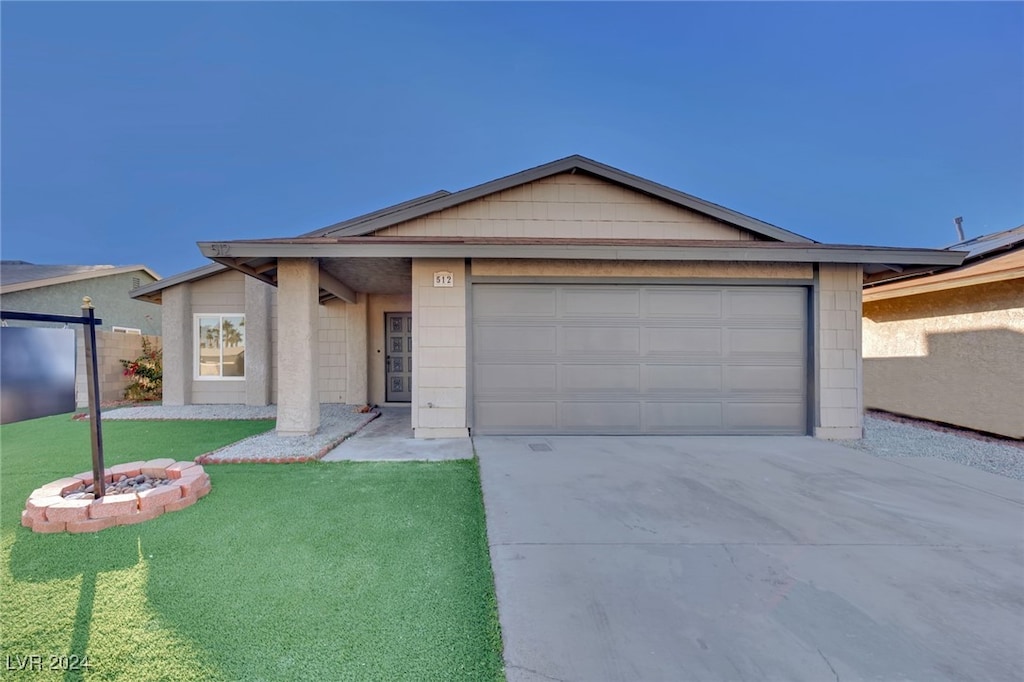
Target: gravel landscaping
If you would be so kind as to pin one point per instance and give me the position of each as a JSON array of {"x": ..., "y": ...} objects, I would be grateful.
[
  {"x": 203, "y": 412},
  {"x": 890, "y": 436},
  {"x": 337, "y": 422}
]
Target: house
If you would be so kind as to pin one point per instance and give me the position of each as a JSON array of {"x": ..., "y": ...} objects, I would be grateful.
[
  {"x": 947, "y": 344},
  {"x": 58, "y": 289},
  {"x": 570, "y": 298}
]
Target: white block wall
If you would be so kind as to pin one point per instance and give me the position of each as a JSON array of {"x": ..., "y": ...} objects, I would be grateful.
[
  {"x": 838, "y": 371},
  {"x": 332, "y": 373}
]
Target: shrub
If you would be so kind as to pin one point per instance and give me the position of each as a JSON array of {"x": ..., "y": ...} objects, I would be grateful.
[{"x": 146, "y": 372}]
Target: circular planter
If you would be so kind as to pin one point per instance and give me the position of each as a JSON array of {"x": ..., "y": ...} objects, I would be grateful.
[{"x": 49, "y": 511}]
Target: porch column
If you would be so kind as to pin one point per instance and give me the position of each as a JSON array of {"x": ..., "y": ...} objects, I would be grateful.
[
  {"x": 177, "y": 345},
  {"x": 355, "y": 351},
  {"x": 298, "y": 322},
  {"x": 257, "y": 342}
]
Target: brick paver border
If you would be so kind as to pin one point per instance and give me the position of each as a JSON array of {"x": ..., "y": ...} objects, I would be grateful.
[{"x": 47, "y": 511}]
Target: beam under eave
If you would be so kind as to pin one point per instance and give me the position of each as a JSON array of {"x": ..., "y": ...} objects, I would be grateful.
[
  {"x": 239, "y": 264},
  {"x": 332, "y": 286}
]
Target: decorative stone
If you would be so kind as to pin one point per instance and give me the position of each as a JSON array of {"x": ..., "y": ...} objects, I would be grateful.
[{"x": 135, "y": 492}]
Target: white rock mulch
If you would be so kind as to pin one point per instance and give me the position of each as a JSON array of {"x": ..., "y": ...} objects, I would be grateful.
[
  {"x": 187, "y": 412},
  {"x": 337, "y": 422},
  {"x": 889, "y": 436}
]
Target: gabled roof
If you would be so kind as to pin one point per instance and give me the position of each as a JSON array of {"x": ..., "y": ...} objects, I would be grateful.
[
  {"x": 17, "y": 275},
  {"x": 994, "y": 257},
  {"x": 569, "y": 164},
  {"x": 341, "y": 239}
]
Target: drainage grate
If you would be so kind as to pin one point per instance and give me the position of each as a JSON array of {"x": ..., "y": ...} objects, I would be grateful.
[{"x": 540, "y": 447}]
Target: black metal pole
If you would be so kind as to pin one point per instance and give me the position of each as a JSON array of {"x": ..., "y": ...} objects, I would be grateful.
[{"x": 93, "y": 380}]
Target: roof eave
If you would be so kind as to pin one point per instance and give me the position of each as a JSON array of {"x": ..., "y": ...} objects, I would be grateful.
[
  {"x": 746, "y": 251},
  {"x": 152, "y": 292}
]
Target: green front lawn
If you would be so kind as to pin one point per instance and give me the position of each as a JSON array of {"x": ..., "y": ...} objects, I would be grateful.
[{"x": 320, "y": 571}]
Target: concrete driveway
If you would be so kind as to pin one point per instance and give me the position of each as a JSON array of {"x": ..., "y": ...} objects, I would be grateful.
[{"x": 750, "y": 559}]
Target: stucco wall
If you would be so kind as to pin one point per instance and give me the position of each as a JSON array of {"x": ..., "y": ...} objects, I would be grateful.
[
  {"x": 838, "y": 357},
  {"x": 590, "y": 268},
  {"x": 439, "y": 350},
  {"x": 110, "y": 297},
  {"x": 569, "y": 205},
  {"x": 332, "y": 346},
  {"x": 223, "y": 293},
  {"x": 954, "y": 356}
]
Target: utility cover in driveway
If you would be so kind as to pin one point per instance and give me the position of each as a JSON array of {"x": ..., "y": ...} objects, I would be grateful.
[{"x": 630, "y": 359}]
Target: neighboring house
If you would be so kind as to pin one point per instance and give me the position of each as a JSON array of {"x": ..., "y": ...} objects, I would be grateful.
[
  {"x": 58, "y": 289},
  {"x": 571, "y": 298},
  {"x": 948, "y": 344}
]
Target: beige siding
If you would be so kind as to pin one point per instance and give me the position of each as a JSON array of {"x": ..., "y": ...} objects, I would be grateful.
[
  {"x": 589, "y": 268},
  {"x": 838, "y": 371},
  {"x": 439, "y": 350},
  {"x": 953, "y": 356},
  {"x": 570, "y": 206}
]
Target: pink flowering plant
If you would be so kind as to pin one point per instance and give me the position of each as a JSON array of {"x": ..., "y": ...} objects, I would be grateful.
[{"x": 146, "y": 372}]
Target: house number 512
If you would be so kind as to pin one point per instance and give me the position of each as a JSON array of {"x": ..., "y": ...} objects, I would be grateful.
[{"x": 444, "y": 279}]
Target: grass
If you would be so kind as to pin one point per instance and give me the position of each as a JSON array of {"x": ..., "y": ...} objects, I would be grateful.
[{"x": 318, "y": 571}]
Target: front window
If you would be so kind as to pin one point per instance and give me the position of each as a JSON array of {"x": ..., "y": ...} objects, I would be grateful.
[{"x": 221, "y": 346}]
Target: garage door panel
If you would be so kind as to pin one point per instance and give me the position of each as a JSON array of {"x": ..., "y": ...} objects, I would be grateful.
[
  {"x": 766, "y": 342},
  {"x": 514, "y": 301},
  {"x": 519, "y": 416},
  {"x": 600, "y": 302},
  {"x": 504, "y": 378},
  {"x": 581, "y": 417},
  {"x": 637, "y": 359},
  {"x": 765, "y": 378},
  {"x": 698, "y": 341},
  {"x": 684, "y": 304},
  {"x": 620, "y": 378},
  {"x": 603, "y": 340},
  {"x": 764, "y": 417},
  {"x": 682, "y": 377},
  {"x": 491, "y": 340},
  {"x": 683, "y": 417},
  {"x": 775, "y": 305}
]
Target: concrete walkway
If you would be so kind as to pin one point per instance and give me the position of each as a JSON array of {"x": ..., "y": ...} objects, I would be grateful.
[
  {"x": 750, "y": 559},
  {"x": 390, "y": 438}
]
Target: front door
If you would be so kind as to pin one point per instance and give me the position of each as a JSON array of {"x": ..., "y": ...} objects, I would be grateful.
[{"x": 398, "y": 363}]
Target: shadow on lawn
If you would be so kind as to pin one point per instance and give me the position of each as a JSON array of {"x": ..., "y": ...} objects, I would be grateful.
[{"x": 38, "y": 558}]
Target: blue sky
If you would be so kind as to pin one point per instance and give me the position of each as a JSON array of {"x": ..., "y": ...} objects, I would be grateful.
[{"x": 132, "y": 130}]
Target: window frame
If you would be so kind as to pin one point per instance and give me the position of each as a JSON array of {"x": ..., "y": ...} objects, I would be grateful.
[{"x": 196, "y": 376}]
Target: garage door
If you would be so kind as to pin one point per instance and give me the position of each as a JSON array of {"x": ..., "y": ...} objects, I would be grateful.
[{"x": 581, "y": 359}]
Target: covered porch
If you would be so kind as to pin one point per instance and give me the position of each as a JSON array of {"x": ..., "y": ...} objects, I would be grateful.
[{"x": 373, "y": 301}]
